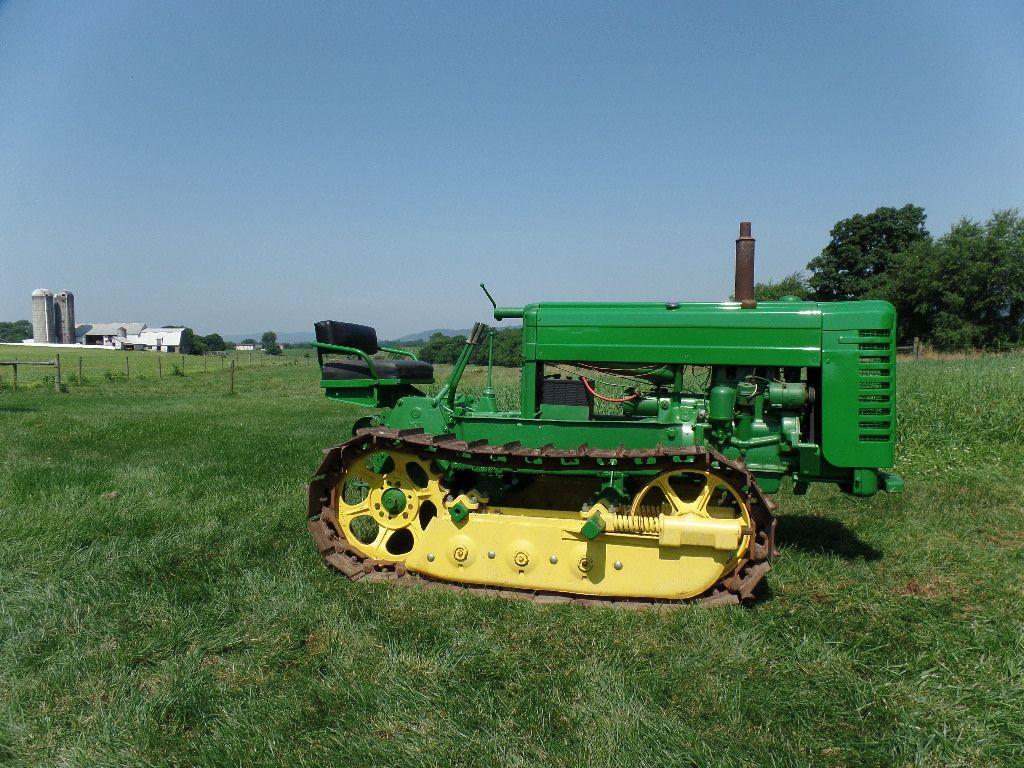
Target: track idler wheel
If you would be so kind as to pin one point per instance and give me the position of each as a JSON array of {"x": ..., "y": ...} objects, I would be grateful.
[{"x": 384, "y": 501}]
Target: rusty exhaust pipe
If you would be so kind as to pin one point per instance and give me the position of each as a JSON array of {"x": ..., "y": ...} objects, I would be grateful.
[{"x": 744, "y": 292}]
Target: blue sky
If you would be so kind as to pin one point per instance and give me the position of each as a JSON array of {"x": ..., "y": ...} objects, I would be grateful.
[{"x": 239, "y": 167}]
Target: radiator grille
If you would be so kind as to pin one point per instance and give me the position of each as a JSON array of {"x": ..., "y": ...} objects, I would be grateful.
[{"x": 875, "y": 389}]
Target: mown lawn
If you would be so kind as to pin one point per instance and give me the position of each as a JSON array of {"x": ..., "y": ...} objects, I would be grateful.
[{"x": 161, "y": 604}]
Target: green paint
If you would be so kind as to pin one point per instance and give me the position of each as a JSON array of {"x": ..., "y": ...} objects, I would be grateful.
[
  {"x": 393, "y": 501},
  {"x": 593, "y": 527},
  {"x": 380, "y": 463},
  {"x": 458, "y": 511},
  {"x": 793, "y": 388}
]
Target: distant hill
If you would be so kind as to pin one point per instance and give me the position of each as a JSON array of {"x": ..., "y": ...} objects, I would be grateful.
[
  {"x": 424, "y": 335},
  {"x": 295, "y": 337},
  {"x": 301, "y": 337}
]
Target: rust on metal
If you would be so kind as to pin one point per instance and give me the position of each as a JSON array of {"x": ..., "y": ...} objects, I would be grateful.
[{"x": 744, "y": 291}]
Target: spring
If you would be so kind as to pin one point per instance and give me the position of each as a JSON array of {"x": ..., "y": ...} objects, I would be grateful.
[{"x": 635, "y": 524}]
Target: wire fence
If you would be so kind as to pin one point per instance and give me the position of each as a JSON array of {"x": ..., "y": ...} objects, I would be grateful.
[{"x": 27, "y": 369}]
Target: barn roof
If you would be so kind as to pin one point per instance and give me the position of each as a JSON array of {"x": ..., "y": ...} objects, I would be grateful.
[{"x": 110, "y": 329}]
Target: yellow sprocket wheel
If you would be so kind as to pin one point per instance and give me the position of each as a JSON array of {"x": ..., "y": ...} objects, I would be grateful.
[
  {"x": 384, "y": 501},
  {"x": 697, "y": 494}
]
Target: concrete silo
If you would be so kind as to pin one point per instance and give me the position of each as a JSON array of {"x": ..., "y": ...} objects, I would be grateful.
[
  {"x": 64, "y": 316},
  {"x": 44, "y": 327}
]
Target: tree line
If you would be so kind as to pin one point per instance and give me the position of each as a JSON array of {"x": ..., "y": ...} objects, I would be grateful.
[
  {"x": 961, "y": 290},
  {"x": 508, "y": 348},
  {"x": 15, "y": 331},
  {"x": 194, "y": 344}
]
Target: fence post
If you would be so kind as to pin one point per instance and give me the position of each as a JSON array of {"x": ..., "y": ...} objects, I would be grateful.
[
  {"x": 206, "y": 362},
  {"x": 15, "y": 375},
  {"x": 127, "y": 369},
  {"x": 232, "y": 390},
  {"x": 56, "y": 374},
  {"x": 79, "y": 369},
  {"x": 917, "y": 348},
  {"x": 182, "y": 365},
  {"x": 250, "y": 357},
  {"x": 160, "y": 367}
]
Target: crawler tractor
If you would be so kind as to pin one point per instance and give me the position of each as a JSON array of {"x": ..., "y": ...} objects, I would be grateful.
[{"x": 658, "y": 494}]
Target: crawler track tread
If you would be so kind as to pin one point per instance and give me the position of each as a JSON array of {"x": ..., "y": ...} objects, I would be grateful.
[{"x": 736, "y": 587}]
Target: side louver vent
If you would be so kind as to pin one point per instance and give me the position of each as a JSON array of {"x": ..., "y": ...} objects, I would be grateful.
[{"x": 877, "y": 361}]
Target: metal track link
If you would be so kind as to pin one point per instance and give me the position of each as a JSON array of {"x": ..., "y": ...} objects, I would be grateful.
[{"x": 738, "y": 586}]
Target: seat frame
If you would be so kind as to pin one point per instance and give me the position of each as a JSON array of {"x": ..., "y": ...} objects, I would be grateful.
[{"x": 373, "y": 391}]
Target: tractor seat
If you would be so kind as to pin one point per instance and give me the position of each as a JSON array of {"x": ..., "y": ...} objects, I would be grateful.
[{"x": 412, "y": 370}]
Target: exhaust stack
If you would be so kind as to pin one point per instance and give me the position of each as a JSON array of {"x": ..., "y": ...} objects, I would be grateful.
[{"x": 744, "y": 291}]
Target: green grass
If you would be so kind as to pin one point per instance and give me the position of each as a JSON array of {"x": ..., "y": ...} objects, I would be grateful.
[
  {"x": 161, "y": 604},
  {"x": 92, "y": 367}
]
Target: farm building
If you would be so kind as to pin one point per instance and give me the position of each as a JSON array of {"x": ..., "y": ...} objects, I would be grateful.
[
  {"x": 53, "y": 324},
  {"x": 131, "y": 336},
  {"x": 107, "y": 334},
  {"x": 162, "y": 339}
]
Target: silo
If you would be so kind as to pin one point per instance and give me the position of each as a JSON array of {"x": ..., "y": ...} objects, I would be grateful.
[
  {"x": 64, "y": 316},
  {"x": 44, "y": 329}
]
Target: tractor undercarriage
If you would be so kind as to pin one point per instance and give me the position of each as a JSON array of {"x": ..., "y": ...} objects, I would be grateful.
[{"x": 656, "y": 526}]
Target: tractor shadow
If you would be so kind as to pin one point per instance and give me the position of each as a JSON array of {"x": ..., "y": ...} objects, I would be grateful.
[
  {"x": 822, "y": 536},
  {"x": 816, "y": 536}
]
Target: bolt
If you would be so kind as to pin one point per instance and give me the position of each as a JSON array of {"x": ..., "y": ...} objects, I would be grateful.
[
  {"x": 490, "y": 554},
  {"x": 521, "y": 559},
  {"x": 553, "y": 559},
  {"x": 585, "y": 564},
  {"x": 618, "y": 565},
  {"x": 460, "y": 554},
  {"x": 430, "y": 557}
]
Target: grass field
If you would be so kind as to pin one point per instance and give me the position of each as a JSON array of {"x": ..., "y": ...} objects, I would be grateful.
[{"x": 161, "y": 603}]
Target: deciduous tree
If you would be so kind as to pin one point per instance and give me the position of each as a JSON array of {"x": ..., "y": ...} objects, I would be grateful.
[{"x": 856, "y": 262}]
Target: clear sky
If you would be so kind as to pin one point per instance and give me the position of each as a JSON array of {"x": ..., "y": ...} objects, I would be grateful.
[{"x": 239, "y": 167}]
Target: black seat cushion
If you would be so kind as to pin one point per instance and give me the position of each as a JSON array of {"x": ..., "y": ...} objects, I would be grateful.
[
  {"x": 417, "y": 370},
  {"x": 361, "y": 337}
]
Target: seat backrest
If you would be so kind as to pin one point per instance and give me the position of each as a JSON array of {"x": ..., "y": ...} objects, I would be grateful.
[{"x": 361, "y": 337}]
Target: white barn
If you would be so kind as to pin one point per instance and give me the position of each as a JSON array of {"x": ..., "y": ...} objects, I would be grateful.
[
  {"x": 135, "y": 336},
  {"x": 162, "y": 339},
  {"x": 107, "y": 334}
]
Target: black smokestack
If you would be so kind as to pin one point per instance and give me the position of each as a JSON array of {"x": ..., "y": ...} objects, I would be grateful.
[{"x": 744, "y": 292}]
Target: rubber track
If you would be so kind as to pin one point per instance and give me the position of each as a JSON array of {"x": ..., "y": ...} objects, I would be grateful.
[{"x": 738, "y": 586}]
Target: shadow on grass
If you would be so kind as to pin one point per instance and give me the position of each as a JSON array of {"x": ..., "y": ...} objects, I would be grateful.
[
  {"x": 820, "y": 535},
  {"x": 16, "y": 409}
]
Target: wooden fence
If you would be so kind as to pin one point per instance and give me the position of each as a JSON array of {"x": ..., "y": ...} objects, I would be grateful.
[{"x": 55, "y": 363}]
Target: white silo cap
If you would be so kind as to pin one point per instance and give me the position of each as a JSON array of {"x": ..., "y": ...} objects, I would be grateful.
[{"x": 41, "y": 292}]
